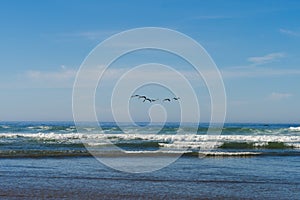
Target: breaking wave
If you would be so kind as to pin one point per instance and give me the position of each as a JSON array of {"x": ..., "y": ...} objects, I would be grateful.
[{"x": 62, "y": 139}]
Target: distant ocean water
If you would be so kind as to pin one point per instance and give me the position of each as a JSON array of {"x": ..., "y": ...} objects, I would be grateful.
[
  {"x": 42, "y": 139},
  {"x": 50, "y": 160}
]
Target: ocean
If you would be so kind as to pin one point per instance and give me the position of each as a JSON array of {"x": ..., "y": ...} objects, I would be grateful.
[{"x": 54, "y": 160}]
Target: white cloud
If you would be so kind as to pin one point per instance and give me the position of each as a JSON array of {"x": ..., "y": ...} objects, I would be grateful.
[
  {"x": 252, "y": 72},
  {"x": 62, "y": 77},
  {"x": 271, "y": 57},
  {"x": 65, "y": 77},
  {"x": 289, "y": 32},
  {"x": 59, "y": 75},
  {"x": 279, "y": 96}
]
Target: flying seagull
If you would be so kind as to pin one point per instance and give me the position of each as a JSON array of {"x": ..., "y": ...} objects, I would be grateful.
[
  {"x": 147, "y": 99},
  {"x": 176, "y": 98},
  {"x": 142, "y": 97},
  {"x": 167, "y": 100},
  {"x": 153, "y": 100},
  {"x": 136, "y": 95}
]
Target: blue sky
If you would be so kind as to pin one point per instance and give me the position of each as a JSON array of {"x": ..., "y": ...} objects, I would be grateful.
[{"x": 255, "y": 44}]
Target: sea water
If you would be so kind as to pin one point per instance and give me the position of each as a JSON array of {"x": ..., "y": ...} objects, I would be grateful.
[{"x": 247, "y": 161}]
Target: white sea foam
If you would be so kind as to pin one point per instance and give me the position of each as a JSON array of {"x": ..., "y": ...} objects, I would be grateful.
[
  {"x": 89, "y": 129},
  {"x": 211, "y": 153},
  {"x": 44, "y": 127},
  {"x": 96, "y": 144},
  {"x": 50, "y": 136},
  {"x": 158, "y": 152},
  {"x": 294, "y": 128},
  {"x": 169, "y": 141},
  {"x": 203, "y": 153},
  {"x": 163, "y": 138},
  {"x": 191, "y": 145}
]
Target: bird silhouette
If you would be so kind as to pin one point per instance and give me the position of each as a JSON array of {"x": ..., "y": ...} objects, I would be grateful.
[
  {"x": 153, "y": 100},
  {"x": 142, "y": 97},
  {"x": 147, "y": 99}
]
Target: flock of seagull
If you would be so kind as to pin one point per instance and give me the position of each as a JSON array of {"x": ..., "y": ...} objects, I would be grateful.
[{"x": 144, "y": 98}]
